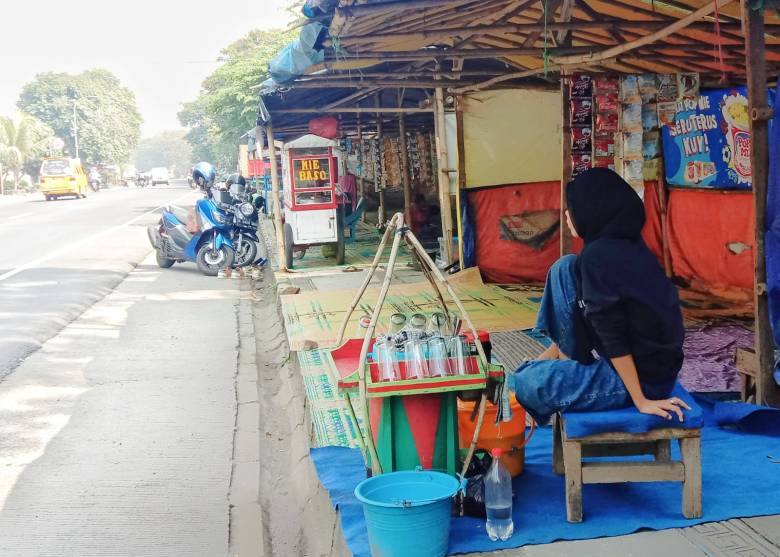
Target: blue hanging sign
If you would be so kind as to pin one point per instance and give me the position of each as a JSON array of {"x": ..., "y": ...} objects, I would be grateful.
[{"x": 707, "y": 145}]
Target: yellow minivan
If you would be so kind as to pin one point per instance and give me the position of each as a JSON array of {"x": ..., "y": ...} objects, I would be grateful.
[{"x": 63, "y": 176}]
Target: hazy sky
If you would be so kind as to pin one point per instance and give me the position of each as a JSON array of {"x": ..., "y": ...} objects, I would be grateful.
[{"x": 160, "y": 49}]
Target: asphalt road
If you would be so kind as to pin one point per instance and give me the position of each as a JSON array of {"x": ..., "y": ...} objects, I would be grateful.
[{"x": 60, "y": 257}]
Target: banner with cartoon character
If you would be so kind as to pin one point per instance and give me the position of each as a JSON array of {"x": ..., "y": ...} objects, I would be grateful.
[{"x": 707, "y": 145}]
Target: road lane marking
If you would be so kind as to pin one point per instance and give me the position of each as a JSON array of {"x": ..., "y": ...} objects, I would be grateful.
[
  {"x": 83, "y": 241},
  {"x": 19, "y": 216}
]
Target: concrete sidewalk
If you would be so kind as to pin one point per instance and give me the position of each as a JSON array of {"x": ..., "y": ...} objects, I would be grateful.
[{"x": 121, "y": 435}]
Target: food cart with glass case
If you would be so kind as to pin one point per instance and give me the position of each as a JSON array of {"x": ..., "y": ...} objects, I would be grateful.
[{"x": 313, "y": 214}]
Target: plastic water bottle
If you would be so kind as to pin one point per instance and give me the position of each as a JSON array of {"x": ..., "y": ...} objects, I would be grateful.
[{"x": 498, "y": 499}]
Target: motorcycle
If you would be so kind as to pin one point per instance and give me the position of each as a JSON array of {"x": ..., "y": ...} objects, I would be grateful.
[
  {"x": 141, "y": 181},
  {"x": 244, "y": 209},
  {"x": 207, "y": 241},
  {"x": 95, "y": 182}
]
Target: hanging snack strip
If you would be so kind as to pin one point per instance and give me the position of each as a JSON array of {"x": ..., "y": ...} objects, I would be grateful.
[
  {"x": 651, "y": 137},
  {"x": 581, "y": 122},
  {"x": 629, "y": 140},
  {"x": 605, "y": 96}
]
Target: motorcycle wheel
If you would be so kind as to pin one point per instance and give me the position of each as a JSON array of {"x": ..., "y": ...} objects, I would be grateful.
[
  {"x": 164, "y": 262},
  {"x": 246, "y": 254},
  {"x": 210, "y": 261}
]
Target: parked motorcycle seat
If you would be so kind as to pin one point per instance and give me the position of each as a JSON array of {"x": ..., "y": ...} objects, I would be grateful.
[{"x": 179, "y": 212}]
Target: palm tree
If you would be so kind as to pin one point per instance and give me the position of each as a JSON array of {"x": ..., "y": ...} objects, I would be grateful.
[{"x": 21, "y": 138}]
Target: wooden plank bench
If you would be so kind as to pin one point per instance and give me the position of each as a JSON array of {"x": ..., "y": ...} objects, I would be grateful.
[{"x": 569, "y": 451}]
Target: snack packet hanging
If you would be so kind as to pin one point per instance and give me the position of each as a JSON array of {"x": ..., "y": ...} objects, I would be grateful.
[
  {"x": 581, "y": 112},
  {"x": 648, "y": 87},
  {"x": 649, "y": 117},
  {"x": 580, "y": 163},
  {"x": 666, "y": 113},
  {"x": 688, "y": 85},
  {"x": 580, "y": 86},
  {"x": 629, "y": 90},
  {"x": 581, "y": 140},
  {"x": 631, "y": 118},
  {"x": 606, "y": 123},
  {"x": 667, "y": 88},
  {"x": 632, "y": 146},
  {"x": 604, "y": 147}
]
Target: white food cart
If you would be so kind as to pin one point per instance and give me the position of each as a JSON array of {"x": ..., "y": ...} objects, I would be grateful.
[{"x": 312, "y": 213}]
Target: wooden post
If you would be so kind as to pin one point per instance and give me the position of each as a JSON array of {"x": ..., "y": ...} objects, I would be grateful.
[
  {"x": 275, "y": 196},
  {"x": 361, "y": 180},
  {"x": 767, "y": 391},
  {"x": 461, "y": 173},
  {"x": 566, "y": 238},
  {"x": 663, "y": 205},
  {"x": 405, "y": 168},
  {"x": 381, "y": 211},
  {"x": 444, "y": 178}
]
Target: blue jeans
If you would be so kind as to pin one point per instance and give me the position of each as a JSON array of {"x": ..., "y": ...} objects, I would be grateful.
[{"x": 545, "y": 387}]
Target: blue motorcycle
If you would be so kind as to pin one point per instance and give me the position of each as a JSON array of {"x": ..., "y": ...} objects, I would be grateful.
[{"x": 202, "y": 236}]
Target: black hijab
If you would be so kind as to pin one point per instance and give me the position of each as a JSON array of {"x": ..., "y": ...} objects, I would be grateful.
[{"x": 603, "y": 205}]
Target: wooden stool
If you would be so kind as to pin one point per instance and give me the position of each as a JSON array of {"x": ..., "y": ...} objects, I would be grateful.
[
  {"x": 570, "y": 447},
  {"x": 747, "y": 366}
]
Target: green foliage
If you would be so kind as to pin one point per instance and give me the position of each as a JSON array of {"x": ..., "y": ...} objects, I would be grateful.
[
  {"x": 107, "y": 118},
  {"x": 227, "y": 105},
  {"x": 23, "y": 139},
  {"x": 169, "y": 149}
]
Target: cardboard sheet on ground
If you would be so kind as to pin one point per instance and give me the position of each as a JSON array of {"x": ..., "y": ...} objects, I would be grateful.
[{"x": 316, "y": 316}]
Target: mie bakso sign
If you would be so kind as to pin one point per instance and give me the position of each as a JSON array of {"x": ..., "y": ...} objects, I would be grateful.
[{"x": 311, "y": 172}]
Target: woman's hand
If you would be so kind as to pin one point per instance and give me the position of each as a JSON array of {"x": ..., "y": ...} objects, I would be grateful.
[{"x": 663, "y": 407}]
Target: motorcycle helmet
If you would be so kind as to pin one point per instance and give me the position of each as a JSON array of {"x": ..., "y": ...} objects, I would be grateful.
[{"x": 203, "y": 174}]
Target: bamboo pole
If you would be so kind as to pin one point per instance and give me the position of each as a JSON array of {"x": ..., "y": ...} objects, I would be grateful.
[
  {"x": 396, "y": 225},
  {"x": 566, "y": 237},
  {"x": 377, "y": 181},
  {"x": 361, "y": 179},
  {"x": 437, "y": 34},
  {"x": 767, "y": 391},
  {"x": 665, "y": 30},
  {"x": 353, "y": 110},
  {"x": 404, "y": 168},
  {"x": 663, "y": 206},
  {"x": 478, "y": 343},
  {"x": 461, "y": 173},
  {"x": 466, "y": 53},
  {"x": 275, "y": 196},
  {"x": 356, "y": 83},
  {"x": 444, "y": 178},
  {"x": 362, "y": 289}
]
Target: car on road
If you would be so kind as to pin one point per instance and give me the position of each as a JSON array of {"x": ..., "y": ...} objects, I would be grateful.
[
  {"x": 61, "y": 176},
  {"x": 160, "y": 176}
]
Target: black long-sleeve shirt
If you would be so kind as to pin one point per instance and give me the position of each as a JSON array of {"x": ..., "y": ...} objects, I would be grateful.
[{"x": 629, "y": 305}]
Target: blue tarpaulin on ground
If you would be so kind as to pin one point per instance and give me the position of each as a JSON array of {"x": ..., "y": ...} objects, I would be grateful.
[{"x": 609, "y": 509}]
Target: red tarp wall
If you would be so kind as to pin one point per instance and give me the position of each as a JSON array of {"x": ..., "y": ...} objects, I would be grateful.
[{"x": 701, "y": 226}]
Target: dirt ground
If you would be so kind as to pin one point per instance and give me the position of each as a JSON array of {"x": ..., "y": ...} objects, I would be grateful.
[{"x": 297, "y": 516}]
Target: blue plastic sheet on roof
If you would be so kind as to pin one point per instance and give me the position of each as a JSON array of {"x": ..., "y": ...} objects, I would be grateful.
[{"x": 296, "y": 57}]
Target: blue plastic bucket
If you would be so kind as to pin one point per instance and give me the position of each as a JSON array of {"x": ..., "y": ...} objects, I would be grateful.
[{"x": 408, "y": 513}]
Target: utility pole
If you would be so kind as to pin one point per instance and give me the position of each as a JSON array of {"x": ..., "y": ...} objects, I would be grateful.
[{"x": 75, "y": 129}]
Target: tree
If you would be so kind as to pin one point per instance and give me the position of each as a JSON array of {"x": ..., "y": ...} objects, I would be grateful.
[
  {"x": 22, "y": 137},
  {"x": 106, "y": 114},
  {"x": 227, "y": 105},
  {"x": 169, "y": 149}
]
